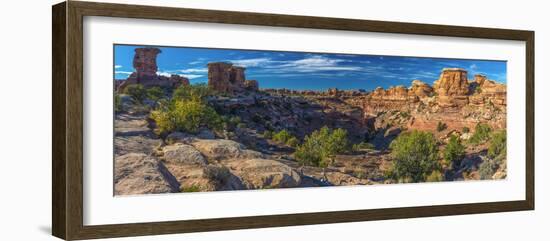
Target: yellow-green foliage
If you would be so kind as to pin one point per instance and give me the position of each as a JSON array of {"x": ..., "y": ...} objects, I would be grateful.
[
  {"x": 282, "y": 136},
  {"x": 192, "y": 188},
  {"x": 268, "y": 134},
  {"x": 435, "y": 176},
  {"x": 497, "y": 147},
  {"x": 118, "y": 103},
  {"x": 414, "y": 156},
  {"x": 137, "y": 92},
  {"x": 293, "y": 142},
  {"x": 196, "y": 92},
  {"x": 155, "y": 93},
  {"x": 186, "y": 115},
  {"x": 481, "y": 133},
  {"x": 321, "y": 146},
  {"x": 454, "y": 151}
]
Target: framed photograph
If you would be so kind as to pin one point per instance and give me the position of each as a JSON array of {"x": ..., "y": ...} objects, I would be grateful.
[{"x": 170, "y": 120}]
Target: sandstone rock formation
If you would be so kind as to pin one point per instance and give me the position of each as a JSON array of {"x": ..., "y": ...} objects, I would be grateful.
[
  {"x": 138, "y": 173},
  {"x": 183, "y": 154},
  {"x": 251, "y": 85},
  {"x": 260, "y": 173},
  {"x": 145, "y": 71},
  {"x": 452, "y": 82},
  {"x": 227, "y": 78}
]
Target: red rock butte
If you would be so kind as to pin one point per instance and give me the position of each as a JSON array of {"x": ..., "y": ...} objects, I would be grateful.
[
  {"x": 224, "y": 77},
  {"x": 146, "y": 72}
]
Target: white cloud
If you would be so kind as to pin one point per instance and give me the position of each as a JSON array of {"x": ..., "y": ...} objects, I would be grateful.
[
  {"x": 314, "y": 63},
  {"x": 123, "y": 72},
  {"x": 194, "y": 70},
  {"x": 118, "y": 66},
  {"x": 192, "y": 76},
  {"x": 251, "y": 62},
  {"x": 169, "y": 73}
]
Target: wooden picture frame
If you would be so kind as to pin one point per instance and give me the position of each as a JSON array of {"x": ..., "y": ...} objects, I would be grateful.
[{"x": 67, "y": 124}]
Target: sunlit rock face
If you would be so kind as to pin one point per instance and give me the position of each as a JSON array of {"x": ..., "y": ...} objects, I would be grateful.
[
  {"x": 226, "y": 78},
  {"x": 452, "y": 82},
  {"x": 146, "y": 72}
]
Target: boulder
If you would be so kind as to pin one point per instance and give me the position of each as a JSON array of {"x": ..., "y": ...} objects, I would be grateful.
[
  {"x": 219, "y": 149},
  {"x": 260, "y": 173},
  {"x": 138, "y": 173},
  {"x": 183, "y": 154},
  {"x": 136, "y": 144}
]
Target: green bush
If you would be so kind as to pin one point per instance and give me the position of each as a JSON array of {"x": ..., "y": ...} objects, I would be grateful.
[
  {"x": 441, "y": 126},
  {"x": 185, "y": 115},
  {"x": 235, "y": 120},
  {"x": 268, "y": 134},
  {"x": 414, "y": 156},
  {"x": 196, "y": 92},
  {"x": 497, "y": 145},
  {"x": 118, "y": 103},
  {"x": 241, "y": 125},
  {"x": 487, "y": 169},
  {"x": 137, "y": 92},
  {"x": 454, "y": 151},
  {"x": 293, "y": 142},
  {"x": 435, "y": 176},
  {"x": 320, "y": 147},
  {"x": 481, "y": 133},
  {"x": 192, "y": 188},
  {"x": 155, "y": 93},
  {"x": 465, "y": 129},
  {"x": 282, "y": 136}
]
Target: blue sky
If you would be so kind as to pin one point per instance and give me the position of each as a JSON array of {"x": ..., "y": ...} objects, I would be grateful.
[{"x": 302, "y": 71}]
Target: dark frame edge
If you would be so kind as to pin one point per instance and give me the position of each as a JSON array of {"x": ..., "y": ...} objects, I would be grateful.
[
  {"x": 530, "y": 119},
  {"x": 59, "y": 177}
]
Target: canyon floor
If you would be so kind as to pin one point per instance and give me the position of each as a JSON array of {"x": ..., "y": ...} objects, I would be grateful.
[{"x": 241, "y": 157}]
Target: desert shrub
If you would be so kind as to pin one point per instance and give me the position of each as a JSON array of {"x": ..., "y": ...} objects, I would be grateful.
[
  {"x": 155, "y": 93},
  {"x": 414, "y": 155},
  {"x": 362, "y": 146},
  {"x": 267, "y": 134},
  {"x": 192, "y": 188},
  {"x": 118, "y": 103},
  {"x": 481, "y": 133},
  {"x": 234, "y": 120},
  {"x": 282, "y": 136},
  {"x": 196, "y": 92},
  {"x": 320, "y": 147},
  {"x": 454, "y": 151},
  {"x": 185, "y": 115},
  {"x": 435, "y": 176},
  {"x": 465, "y": 129},
  {"x": 478, "y": 89},
  {"x": 497, "y": 145},
  {"x": 293, "y": 142},
  {"x": 137, "y": 92},
  {"x": 487, "y": 169},
  {"x": 441, "y": 126}
]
